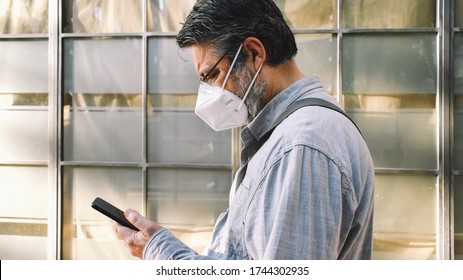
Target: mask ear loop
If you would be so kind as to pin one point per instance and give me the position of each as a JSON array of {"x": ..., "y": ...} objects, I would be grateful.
[
  {"x": 231, "y": 66},
  {"x": 250, "y": 86}
]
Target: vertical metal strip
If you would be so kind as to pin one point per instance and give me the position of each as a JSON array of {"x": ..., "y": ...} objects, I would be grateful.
[
  {"x": 451, "y": 21},
  {"x": 443, "y": 98},
  {"x": 144, "y": 195},
  {"x": 236, "y": 147},
  {"x": 451, "y": 74},
  {"x": 54, "y": 192},
  {"x": 144, "y": 16},
  {"x": 339, "y": 54}
]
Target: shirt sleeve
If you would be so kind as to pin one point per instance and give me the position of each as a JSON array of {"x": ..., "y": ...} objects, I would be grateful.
[
  {"x": 163, "y": 245},
  {"x": 302, "y": 208}
]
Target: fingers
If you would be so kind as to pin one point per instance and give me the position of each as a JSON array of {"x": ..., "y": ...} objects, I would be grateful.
[
  {"x": 146, "y": 226},
  {"x": 136, "y": 240},
  {"x": 121, "y": 231}
]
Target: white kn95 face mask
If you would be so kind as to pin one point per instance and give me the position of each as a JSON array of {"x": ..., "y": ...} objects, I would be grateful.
[{"x": 220, "y": 108}]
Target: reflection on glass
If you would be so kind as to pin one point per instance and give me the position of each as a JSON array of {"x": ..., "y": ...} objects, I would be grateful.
[
  {"x": 102, "y": 16},
  {"x": 400, "y": 140},
  {"x": 87, "y": 234},
  {"x": 102, "y": 100},
  {"x": 458, "y": 218},
  {"x": 458, "y": 133},
  {"x": 170, "y": 70},
  {"x": 23, "y": 212},
  {"x": 458, "y": 13},
  {"x": 309, "y": 14},
  {"x": 175, "y": 133},
  {"x": 23, "y": 16},
  {"x": 188, "y": 201},
  {"x": 24, "y": 66},
  {"x": 181, "y": 137},
  {"x": 24, "y": 100},
  {"x": 389, "y": 64},
  {"x": 458, "y": 102},
  {"x": 458, "y": 137},
  {"x": 389, "y": 87},
  {"x": 389, "y": 14},
  {"x": 316, "y": 55},
  {"x": 26, "y": 189},
  {"x": 167, "y": 15},
  {"x": 405, "y": 217},
  {"x": 23, "y": 128}
]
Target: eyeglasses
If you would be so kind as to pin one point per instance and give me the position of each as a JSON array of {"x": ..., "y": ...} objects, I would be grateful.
[{"x": 215, "y": 65}]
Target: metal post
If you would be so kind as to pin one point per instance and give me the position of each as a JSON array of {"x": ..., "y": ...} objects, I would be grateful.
[
  {"x": 54, "y": 191},
  {"x": 444, "y": 103}
]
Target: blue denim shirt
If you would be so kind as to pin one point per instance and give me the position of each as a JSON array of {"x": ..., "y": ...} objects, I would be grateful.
[{"x": 306, "y": 193}]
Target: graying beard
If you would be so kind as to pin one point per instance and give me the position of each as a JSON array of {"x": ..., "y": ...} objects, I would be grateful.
[{"x": 254, "y": 101}]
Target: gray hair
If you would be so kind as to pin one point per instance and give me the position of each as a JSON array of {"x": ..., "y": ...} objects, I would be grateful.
[{"x": 224, "y": 24}]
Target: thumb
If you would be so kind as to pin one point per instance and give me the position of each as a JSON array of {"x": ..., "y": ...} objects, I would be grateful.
[
  {"x": 145, "y": 225},
  {"x": 134, "y": 217}
]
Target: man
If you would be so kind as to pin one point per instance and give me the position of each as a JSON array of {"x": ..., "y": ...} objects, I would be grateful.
[{"x": 305, "y": 186}]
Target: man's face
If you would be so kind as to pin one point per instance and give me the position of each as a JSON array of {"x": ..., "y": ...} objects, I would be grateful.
[{"x": 238, "y": 82}]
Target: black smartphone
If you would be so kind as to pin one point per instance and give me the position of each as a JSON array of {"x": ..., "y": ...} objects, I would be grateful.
[{"x": 112, "y": 212}]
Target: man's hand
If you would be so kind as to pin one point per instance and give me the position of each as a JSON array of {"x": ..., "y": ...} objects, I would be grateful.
[{"x": 136, "y": 240}]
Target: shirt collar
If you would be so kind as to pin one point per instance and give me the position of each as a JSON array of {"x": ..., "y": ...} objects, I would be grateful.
[{"x": 261, "y": 124}]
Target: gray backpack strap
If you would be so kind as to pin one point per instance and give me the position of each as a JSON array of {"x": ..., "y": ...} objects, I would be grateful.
[{"x": 302, "y": 103}]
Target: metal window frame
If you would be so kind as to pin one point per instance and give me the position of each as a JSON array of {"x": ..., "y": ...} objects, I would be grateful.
[
  {"x": 444, "y": 110},
  {"x": 444, "y": 15},
  {"x": 445, "y": 32},
  {"x": 445, "y": 237},
  {"x": 144, "y": 164},
  {"x": 54, "y": 130}
]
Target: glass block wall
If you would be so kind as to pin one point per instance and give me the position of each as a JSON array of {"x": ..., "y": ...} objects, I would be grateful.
[{"x": 97, "y": 100}]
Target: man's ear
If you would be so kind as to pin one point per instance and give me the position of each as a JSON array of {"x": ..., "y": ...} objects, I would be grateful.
[{"x": 255, "y": 51}]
